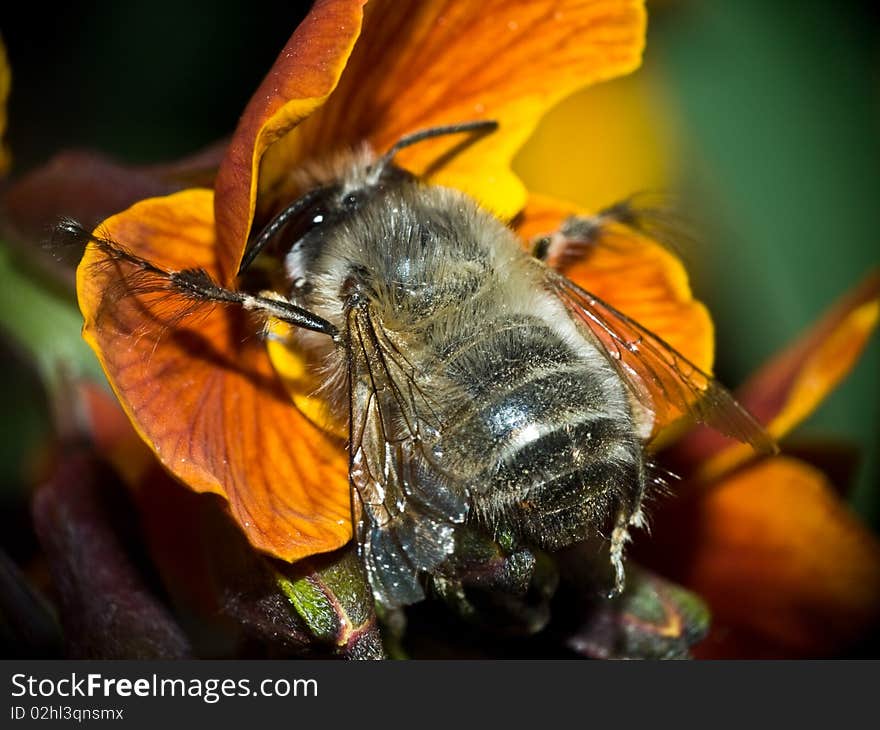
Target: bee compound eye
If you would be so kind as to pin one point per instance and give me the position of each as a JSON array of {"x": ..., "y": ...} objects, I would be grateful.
[{"x": 351, "y": 201}]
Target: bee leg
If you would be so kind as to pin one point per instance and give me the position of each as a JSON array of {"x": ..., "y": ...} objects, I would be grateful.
[
  {"x": 540, "y": 246},
  {"x": 497, "y": 584},
  {"x": 195, "y": 284},
  {"x": 574, "y": 239},
  {"x": 578, "y": 235},
  {"x": 619, "y": 538}
]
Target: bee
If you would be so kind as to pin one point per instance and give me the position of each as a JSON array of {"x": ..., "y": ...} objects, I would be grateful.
[{"x": 481, "y": 389}]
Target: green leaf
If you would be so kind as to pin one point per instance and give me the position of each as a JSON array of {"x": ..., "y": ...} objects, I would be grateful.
[{"x": 45, "y": 324}]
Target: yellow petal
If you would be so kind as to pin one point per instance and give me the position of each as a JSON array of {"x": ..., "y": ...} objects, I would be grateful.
[
  {"x": 792, "y": 385},
  {"x": 603, "y": 144},
  {"x": 292, "y": 365}
]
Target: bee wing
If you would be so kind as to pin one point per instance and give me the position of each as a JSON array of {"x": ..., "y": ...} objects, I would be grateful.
[
  {"x": 406, "y": 507},
  {"x": 662, "y": 380}
]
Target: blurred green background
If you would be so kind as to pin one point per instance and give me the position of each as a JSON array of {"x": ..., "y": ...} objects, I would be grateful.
[
  {"x": 771, "y": 111},
  {"x": 761, "y": 120},
  {"x": 781, "y": 102}
]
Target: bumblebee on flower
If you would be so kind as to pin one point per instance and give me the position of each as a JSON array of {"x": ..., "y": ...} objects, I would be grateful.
[{"x": 427, "y": 387}]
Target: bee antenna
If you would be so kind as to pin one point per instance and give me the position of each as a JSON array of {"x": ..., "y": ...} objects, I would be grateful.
[
  {"x": 480, "y": 126},
  {"x": 276, "y": 224}
]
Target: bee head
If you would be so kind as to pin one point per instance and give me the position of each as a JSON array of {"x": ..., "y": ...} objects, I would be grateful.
[{"x": 317, "y": 210}]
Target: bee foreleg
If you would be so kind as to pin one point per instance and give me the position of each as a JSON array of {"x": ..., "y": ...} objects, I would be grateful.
[{"x": 196, "y": 283}]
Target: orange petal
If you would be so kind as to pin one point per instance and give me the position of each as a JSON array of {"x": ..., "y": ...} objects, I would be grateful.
[
  {"x": 201, "y": 391},
  {"x": 780, "y": 559},
  {"x": 298, "y": 83},
  {"x": 792, "y": 385},
  {"x": 437, "y": 62},
  {"x": 636, "y": 275},
  {"x": 111, "y": 432}
]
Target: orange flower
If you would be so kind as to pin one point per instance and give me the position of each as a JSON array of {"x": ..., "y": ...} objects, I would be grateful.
[
  {"x": 214, "y": 403},
  {"x": 205, "y": 395},
  {"x": 787, "y": 568}
]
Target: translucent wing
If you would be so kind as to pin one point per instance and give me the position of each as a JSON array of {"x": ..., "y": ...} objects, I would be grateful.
[
  {"x": 662, "y": 380},
  {"x": 406, "y": 507}
]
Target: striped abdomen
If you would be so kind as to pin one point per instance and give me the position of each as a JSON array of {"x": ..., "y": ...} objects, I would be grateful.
[{"x": 542, "y": 433}]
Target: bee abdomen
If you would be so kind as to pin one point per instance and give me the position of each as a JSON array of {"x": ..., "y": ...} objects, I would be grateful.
[
  {"x": 546, "y": 440},
  {"x": 566, "y": 484}
]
